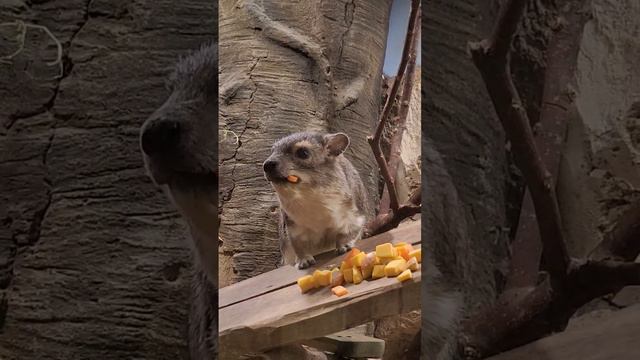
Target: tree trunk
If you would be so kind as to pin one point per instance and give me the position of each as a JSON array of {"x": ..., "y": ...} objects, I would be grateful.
[
  {"x": 287, "y": 67},
  {"x": 94, "y": 262},
  {"x": 461, "y": 126}
]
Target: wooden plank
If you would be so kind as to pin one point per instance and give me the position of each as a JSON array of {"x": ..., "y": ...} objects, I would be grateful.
[
  {"x": 613, "y": 335},
  {"x": 285, "y": 315},
  {"x": 349, "y": 344},
  {"x": 287, "y": 275}
]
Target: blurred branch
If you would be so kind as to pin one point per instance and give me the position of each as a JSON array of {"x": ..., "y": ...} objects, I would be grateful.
[
  {"x": 392, "y": 214},
  {"x": 522, "y": 314}
]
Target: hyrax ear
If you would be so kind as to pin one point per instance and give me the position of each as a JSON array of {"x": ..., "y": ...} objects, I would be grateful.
[{"x": 336, "y": 144}]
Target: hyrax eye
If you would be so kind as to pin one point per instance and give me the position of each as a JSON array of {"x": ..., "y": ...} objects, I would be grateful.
[{"x": 302, "y": 153}]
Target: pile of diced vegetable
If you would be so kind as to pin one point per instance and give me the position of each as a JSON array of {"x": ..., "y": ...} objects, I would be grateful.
[{"x": 387, "y": 260}]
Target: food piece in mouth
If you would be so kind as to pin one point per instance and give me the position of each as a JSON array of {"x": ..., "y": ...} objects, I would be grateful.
[{"x": 293, "y": 179}]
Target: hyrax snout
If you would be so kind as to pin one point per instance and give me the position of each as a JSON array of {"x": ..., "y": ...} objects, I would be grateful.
[{"x": 322, "y": 197}]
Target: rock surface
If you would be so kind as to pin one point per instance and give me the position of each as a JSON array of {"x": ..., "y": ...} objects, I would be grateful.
[
  {"x": 600, "y": 172},
  {"x": 93, "y": 259}
]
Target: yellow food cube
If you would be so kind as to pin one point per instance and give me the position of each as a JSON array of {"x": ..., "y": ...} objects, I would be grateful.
[
  {"x": 386, "y": 260},
  {"x": 358, "y": 259},
  {"x": 412, "y": 264},
  {"x": 306, "y": 283},
  {"x": 369, "y": 259},
  {"x": 322, "y": 277},
  {"x": 339, "y": 291},
  {"x": 348, "y": 258},
  {"x": 367, "y": 265},
  {"x": 395, "y": 267},
  {"x": 401, "y": 243},
  {"x": 404, "y": 276},
  {"x": 378, "y": 271},
  {"x": 385, "y": 250},
  {"x": 357, "y": 276},
  {"x": 347, "y": 274},
  {"x": 336, "y": 278},
  {"x": 344, "y": 265},
  {"x": 417, "y": 254},
  {"x": 367, "y": 271}
]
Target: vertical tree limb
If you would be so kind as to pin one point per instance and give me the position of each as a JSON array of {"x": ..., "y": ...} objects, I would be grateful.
[{"x": 491, "y": 57}]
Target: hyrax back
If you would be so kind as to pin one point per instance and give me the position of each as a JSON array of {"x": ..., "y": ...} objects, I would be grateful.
[{"x": 323, "y": 205}]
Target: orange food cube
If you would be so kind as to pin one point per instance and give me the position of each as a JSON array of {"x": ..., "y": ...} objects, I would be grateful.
[
  {"x": 306, "y": 283},
  {"x": 357, "y": 276},
  {"x": 404, "y": 251},
  {"x": 293, "y": 179},
  {"x": 347, "y": 274},
  {"x": 350, "y": 255},
  {"x": 339, "y": 291},
  {"x": 404, "y": 276}
]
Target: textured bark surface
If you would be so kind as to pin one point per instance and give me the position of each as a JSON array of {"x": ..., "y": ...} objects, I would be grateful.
[
  {"x": 593, "y": 87},
  {"x": 93, "y": 259},
  {"x": 599, "y": 175},
  {"x": 287, "y": 67},
  {"x": 460, "y": 124}
]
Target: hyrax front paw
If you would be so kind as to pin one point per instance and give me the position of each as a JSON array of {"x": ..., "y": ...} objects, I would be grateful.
[
  {"x": 343, "y": 248},
  {"x": 305, "y": 262}
]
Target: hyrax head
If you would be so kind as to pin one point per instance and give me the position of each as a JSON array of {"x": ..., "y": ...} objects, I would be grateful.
[
  {"x": 179, "y": 140},
  {"x": 307, "y": 156}
]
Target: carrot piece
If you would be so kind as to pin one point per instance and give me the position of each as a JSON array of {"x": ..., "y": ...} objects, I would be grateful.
[
  {"x": 339, "y": 291},
  {"x": 293, "y": 179}
]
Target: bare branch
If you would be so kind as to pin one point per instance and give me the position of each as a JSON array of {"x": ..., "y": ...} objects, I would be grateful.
[
  {"x": 491, "y": 59},
  {"x": 396, "y": 141},
  {"x": 374, "y": 140},
  {"x": 385, "y": 222},
  {"x": 486, "y": 332}
]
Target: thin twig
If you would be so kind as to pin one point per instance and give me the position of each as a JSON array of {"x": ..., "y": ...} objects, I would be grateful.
[{"x": 374, "y": 140}]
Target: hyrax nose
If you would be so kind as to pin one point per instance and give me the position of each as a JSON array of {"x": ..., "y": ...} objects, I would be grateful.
[
  {"x": 269, "y": 166},
  {"x": 160, "y": 136}
]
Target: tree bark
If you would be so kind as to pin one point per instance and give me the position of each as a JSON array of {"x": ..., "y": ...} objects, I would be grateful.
[
  {"x": 285, "y": 68},
  {"x": 94, "y": 262},
  {"x": 462, "y": 128}
]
